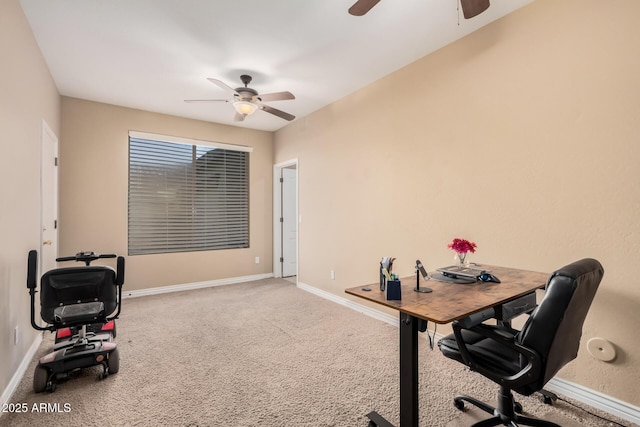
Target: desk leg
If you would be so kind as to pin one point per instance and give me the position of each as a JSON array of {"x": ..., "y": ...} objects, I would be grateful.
[
  {"x": 408, "y": 370},
  {"x": 408, "y": 376}
]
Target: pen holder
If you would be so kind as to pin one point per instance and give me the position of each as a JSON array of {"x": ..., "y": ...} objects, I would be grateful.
[{"x": 393, "y": 290}]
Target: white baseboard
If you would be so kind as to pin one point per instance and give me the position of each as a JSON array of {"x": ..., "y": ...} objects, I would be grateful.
[
  {"x": 17, "y": 376},
  {"x": 376, "y": 314},
  {"x": 609, "y": 404},
  {"x": 575, "y": 391},
  {"x": 194, "y": 285}
]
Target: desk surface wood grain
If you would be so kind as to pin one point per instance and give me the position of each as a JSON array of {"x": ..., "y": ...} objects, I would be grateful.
[{"x": 449, "y": 301}]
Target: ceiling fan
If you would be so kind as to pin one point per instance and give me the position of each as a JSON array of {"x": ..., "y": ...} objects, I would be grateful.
[
  {"x": 470, "y": 8},
  {"x": 247, "y": 101}
]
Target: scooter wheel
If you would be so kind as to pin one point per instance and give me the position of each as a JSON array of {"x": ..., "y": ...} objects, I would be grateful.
[
  {"x": 113, "y": 363},
  {"x": 40, "y": 379}
]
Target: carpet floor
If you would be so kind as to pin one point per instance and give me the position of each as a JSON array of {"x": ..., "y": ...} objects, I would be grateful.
[{"x": 262, "y": 353}]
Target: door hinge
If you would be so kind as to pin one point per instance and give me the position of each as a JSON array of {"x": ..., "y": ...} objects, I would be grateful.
[
  {"x": 281, "y": 259},
  {"x": 281, "y": 179},
  {"x": 281, "y": 219},
  {"x": 55, "y": 224},
  {"x": 55, "y": 161}
]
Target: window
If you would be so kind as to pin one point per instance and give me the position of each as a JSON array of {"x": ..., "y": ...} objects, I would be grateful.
[{"x": 186, "y": 197}]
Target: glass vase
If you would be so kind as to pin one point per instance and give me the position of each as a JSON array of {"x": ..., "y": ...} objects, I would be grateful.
[{"x": 461, "y": 256}]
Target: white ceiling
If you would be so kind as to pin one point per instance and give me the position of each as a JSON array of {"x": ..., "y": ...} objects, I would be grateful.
[{"x": 154, "y": 54}]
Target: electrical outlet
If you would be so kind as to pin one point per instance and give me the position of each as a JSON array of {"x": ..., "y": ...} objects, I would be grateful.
[
  {"x": 257, "y": 260},
  {"x": 15, "y": 336},
  {"x": 333, "y": 275}
]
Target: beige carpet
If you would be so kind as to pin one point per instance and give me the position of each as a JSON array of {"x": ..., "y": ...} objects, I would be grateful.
[{"x": 256, "y": 354}]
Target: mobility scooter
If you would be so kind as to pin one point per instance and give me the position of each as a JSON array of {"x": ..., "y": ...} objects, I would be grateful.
[{"x": 79, "y": 304}]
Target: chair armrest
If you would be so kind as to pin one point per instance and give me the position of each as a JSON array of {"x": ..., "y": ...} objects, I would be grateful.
[
  {"x": 506, "y": 338},
  {"x": 476, "y": 318}
]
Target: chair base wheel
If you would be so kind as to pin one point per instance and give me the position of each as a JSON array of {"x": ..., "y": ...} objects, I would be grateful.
[
  {"x": 507, "y": 412},
  {"x": 459, "y": 404},
  {"x": 517, "y": 406},
  {"x": 548, "y": 397}
]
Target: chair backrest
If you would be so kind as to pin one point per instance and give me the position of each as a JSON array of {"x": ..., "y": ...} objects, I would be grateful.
[
  {"x": 554, "y": 328},
  {"x": 77, "y": 285}
]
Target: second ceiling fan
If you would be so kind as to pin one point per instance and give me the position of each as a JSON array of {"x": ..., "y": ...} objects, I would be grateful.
[{"x": 470, "y": 8}]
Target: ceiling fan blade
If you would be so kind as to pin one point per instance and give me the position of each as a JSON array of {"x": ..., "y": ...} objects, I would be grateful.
[
  {"x": 471, "y": 8},
  {"x": 224, "y": 86},
  {"x": 239, "y": 117},
  {"x": 277, "y": 112},
  {"x": 361, "y": 7},
  {"x": 276, "y": 96},
  {"x": 205, "y": 100}
]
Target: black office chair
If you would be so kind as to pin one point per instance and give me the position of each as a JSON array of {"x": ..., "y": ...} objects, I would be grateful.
[{"x": 523, "y": 361}]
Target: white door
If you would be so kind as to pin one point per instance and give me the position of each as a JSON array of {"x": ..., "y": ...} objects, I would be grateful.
[
  {"x": 289, "y": 223},
  {"x": 49, "y": 199}
]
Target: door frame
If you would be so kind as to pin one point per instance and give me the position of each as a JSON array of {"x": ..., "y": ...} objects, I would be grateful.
[
  {"x": 47, "y": 136},
  {"x": 277, "y": 225}
]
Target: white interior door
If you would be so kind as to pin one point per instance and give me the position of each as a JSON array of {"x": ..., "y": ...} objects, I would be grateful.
[
  {"x": 289, "y": 223},
  {"x": 49, "y": 199}
]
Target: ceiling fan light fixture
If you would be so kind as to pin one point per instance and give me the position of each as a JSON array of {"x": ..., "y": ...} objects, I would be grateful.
[{"x": 245, "y": 107}]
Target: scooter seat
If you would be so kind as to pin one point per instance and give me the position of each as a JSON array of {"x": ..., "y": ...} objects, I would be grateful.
[{"x": 79, "y": 313}]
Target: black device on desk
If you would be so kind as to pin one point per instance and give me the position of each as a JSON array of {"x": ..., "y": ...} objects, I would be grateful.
[
  {"x": 488, "y": 277},
  {"x": 420, "y": 270}
]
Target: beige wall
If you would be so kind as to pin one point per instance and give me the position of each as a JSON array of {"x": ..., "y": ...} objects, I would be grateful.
[
  {"x": 93, "y": 193},
  {"x": 27, "y": 97},
  {"x": 523, "y": 137}
]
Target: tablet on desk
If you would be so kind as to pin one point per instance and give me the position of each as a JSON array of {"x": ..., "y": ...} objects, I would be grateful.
[
  {"x": 449, "y": 278},
  {"x": 462, "y": 271}
]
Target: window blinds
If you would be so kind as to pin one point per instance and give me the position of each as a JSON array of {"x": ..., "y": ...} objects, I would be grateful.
[{"x": 185, "y": 197}]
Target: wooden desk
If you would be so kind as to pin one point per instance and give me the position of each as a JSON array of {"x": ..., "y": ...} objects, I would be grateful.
[{"x": 448, "y": 302}]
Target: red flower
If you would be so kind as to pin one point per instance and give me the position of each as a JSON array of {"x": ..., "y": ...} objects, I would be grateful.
[{"x": 462, "y": 246}]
